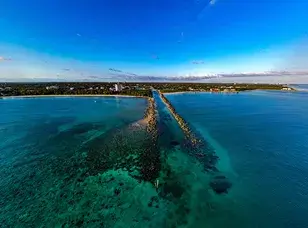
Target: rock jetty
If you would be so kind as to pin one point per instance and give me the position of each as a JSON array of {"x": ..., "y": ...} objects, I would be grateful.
[
  {"x": 150, "y": 117},
  {"x": 183, "y": 124}
]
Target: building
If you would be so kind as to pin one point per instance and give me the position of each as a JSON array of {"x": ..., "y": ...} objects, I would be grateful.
[
  {"x": 52, "y": 87},
  {"x": 118, "y": 87},
  {"x": 215, "y": 90}
]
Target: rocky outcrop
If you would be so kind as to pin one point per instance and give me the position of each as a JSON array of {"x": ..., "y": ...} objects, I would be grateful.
[{"x": 150, "y": 117}]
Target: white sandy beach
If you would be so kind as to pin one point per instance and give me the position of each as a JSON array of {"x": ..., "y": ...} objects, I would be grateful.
[
  {"x": 86, "y": 95},
  {"x": 180, "y": 92}
]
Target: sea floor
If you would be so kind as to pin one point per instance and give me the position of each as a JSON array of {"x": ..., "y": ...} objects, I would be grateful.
[
  {"x": 59, "y": 172},
  {"x": 74, "y": 162}
]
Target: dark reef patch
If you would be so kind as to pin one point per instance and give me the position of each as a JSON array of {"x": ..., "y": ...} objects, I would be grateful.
[
  {"x": 174, "y": 143},
  {"x": 174, "y": 188},
  {"x": 220, "y": 184},
  {"x": 83, "y": 128},
  {"x": 135, "y": 152}
]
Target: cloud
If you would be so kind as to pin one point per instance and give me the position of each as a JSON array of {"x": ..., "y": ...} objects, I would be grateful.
[
  {"x": 33, "y": 66},
  {"x": 285, "y": 79},
  {"x": 4, "y": 59},
  {"x": 115, "y": 70},
  {"x": 202, "y": 8},
  {"x": 122, "y": 72},
  {"x": 265, "y": 74},
  {"x": 197, "y": 62},
  {"x": 212, "y": 2},
  {"x": 149, "y": 78}
]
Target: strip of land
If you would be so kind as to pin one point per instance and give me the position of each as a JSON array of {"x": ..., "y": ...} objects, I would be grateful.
[
  {"x": 138, "y": 89},
  {"x": 84, "y": 95}
]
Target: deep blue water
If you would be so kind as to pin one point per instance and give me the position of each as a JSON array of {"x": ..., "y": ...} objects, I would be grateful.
[{"x": 262, "y": 141}]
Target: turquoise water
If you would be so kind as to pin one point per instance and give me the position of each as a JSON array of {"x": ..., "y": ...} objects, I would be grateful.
[
  {"x": 261, "y": 139},
  {"x": 89, "y": 162},
  {"x": 60, "y": 158}
]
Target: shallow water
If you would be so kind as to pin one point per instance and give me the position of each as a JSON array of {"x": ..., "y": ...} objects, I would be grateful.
[
  {"x": 56, "y": 153},
  {"x": 84, "y": 162},
  {"x": 261, "y": 139}
]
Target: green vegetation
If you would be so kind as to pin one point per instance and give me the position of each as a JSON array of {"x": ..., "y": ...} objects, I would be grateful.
[
  {"x": 215, "y": 87},
  {"x": 132, "y": 89},
  {"x": 19, "y": 89}
]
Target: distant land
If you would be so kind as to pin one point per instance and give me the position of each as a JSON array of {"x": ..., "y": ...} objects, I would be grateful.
[{"x": 139, "y": 89}]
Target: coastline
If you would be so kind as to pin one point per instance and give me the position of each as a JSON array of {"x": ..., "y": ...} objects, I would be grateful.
[
  {"x": 178, "y": 92},
  {"x": 86, "y": 95},
  {"x": 195, "y": 92}
]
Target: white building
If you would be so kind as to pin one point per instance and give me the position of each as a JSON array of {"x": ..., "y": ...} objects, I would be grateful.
[
  {"x": 52, "y": 87},
  {"x": 118, "y": 87}
]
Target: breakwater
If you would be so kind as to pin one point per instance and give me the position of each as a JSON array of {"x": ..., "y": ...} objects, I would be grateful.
[
  {"x": 150, "y": 117},
  {"x": 182, "y": 123}
]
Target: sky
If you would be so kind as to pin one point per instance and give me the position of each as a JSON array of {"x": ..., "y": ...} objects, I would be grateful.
[{"x": 116, "y": 40}]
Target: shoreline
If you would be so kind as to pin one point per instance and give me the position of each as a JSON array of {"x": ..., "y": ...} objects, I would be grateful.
[
  {"x": 86, "y": 95},
  {"x": 236, "y": 92},
  {"x": 195, "y": 92}
]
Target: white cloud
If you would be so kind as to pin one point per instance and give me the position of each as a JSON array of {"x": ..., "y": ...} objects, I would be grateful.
[
  {"x": 264, "y": 79},
  {"x": 30, "y": 65},
  {"x": 212, "y": 2},
  {"x": 4, "y": 59}
]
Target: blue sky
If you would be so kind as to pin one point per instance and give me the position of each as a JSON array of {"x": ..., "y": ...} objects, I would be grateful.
[{"x": 65, "y": 40}]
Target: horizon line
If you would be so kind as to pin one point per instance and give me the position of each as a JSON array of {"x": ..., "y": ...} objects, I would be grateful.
[{"x": 144, "y": 82}]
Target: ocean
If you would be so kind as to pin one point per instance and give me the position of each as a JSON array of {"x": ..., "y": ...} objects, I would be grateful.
[
  {"x": 261, "y": 139},
  {"x": 301, "y": 87},
  {"x": 88, "y": 162},
  {"x": 52, "y": 152}
]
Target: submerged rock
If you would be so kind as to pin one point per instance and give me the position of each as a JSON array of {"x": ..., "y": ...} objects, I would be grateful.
[
  {"x": 173, "y": 188},
  {"x": 220, "y": 184},
  {"x": 174, "y": 143},
  {"x": 117, "y": 191}
]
